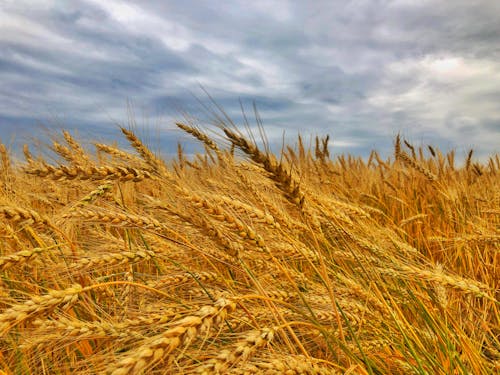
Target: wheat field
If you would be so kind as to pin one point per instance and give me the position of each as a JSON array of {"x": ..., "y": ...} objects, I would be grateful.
[{"x": 241, "y": 261}]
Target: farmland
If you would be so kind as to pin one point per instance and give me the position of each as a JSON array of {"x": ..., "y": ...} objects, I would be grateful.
[{"x": 239, "y": 260}]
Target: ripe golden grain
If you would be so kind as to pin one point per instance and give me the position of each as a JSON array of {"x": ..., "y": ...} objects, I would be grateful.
[
  {"x": 157, "y": 164},
  {"x": 241, "y": 352},
  {"x": 20, "y": 257},
  {"x": 327, "y": 251},
  {"x": 183, "y": 332},
  {"x": 121, "y": 173},
  {"x": 16, "y": 314},
  {"x": 18, "y": 214}
]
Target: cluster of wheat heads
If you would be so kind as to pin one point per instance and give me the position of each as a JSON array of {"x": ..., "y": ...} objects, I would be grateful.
[{"x": 240, "y": 261}]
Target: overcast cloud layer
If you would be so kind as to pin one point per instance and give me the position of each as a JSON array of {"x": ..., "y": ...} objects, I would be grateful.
[{"x": 361, "y": 71}]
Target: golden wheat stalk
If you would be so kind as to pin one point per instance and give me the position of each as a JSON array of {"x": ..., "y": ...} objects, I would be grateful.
[
  {"x": 113, "y": 258},
  {"x": 121, "y": 173},
  {"x": 230, "y": 221},
  {"x": 469, "y": 286},
  {"x": 183, "y": 278},
  {"x": 474, "y": 238},
  {"x": 93, "y": 195},
  {"x": 202, "y": 137},
  {"x": 78, "y": 153},
  {"x": 64, "y": 152},
  {"x": 19, "y": 257},
  {"x": 4, "y": 157},
  {"x": 287, "y": 364},
  {"x": 37, "y": 305},
  {"x": 75, "y": 329},
  {"x": 157, "y": 164},
  {"x": 282, "y": 178},
  {"x": 182, "y": 333},
  {"x": 115, "y": 218},
  {"x": 18, "y": 214},
  {"x": 118, "y": 154},
  {"x": 418, "y": 167},
  {"x": 253, "y": 212},
  {"x": 240, "y": 353},
  {"x": 282, "y": 218}
]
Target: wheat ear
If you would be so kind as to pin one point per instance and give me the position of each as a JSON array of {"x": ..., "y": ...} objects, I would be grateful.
[
  {"x": 37, "y": 305},
  {"x": 157, "y": 164},
  {"x": 79, "y": 154},
  {"x": 182, "y": 332},
  {"x": 115, "y": 218},
  {"x": 202, "y": 137},
  {"x": 114, "y": 258},
  {"x": 282, "y": 178},
  {"x": 4, "y": 157},
  {"x": 18, "y": 214},
  {"x": 241, "y": 352},
  {"x": 93, "y": 195},
  {"x": 289, "y": 365},
  {"x": 183, "y": 278},
  {"x": 418, "y": 167},
  {"x": 117, "y": 153},
  {"x": 20, "y": 257},
  {"x": 64, "y": 152},
  {"x": 121, "y": 173},
  {"x": 468, "y": 286},
  {"x": 243, "y": 208}
]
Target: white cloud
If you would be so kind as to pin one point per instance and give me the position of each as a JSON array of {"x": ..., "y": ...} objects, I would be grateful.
[
  {"x": 28, "y": 32},
  {"x": 448, "y": 95},
  {"x": 24, "y": 31},
  {"x": 140, "y": 22},
  {"x": 442, "y": 82}
]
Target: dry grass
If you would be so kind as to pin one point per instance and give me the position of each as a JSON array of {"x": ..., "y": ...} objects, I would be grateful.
[{"x": 119, "y": 263}]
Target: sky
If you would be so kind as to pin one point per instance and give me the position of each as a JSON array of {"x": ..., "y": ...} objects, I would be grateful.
[{"x": 360, "y": 71}]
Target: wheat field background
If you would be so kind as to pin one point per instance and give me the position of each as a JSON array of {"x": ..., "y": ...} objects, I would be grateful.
[{"x": 241, "y": 261}]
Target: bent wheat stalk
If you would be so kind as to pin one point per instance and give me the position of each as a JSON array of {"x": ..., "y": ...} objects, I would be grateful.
[
  {"x": 19, "y": 257},
  {"x": 36, "y": 306},
  {"x": 182, "y": 333},
  {"x": 18, "y": 214},
  {"x": 241, "y": 352},
  {"x": 121, "y": 173},
  {"x": 283, "y": 179}
]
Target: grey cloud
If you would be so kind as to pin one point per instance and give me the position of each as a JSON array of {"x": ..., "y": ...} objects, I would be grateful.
[
  {"x": 361, "y": 70},
  {"x": 492, "y": 125}
]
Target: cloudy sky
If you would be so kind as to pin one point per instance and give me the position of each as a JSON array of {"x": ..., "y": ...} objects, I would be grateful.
[{"x": 361, "y": 71}]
